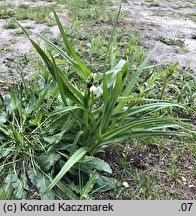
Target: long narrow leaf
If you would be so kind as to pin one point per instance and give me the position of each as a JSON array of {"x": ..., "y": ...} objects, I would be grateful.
[
  {"x": 68, "y": 165},
  {"x": 71, "y": 52},
  {"x": 110, "y": 103}
]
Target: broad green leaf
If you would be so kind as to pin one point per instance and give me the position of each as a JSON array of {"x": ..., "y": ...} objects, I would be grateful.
[
  {"x": 47, "y": 160},
  {"x": 3, "y": 117},
  {"x": 42, "y": 182},
  {"x": 96, "y": 163},
  {"x": 105, "y": 184},
  {"x": 32, "y": 175}
]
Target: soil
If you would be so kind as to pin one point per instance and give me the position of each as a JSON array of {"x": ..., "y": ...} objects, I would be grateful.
[
  {"x": 170, "y": 20},
  {"x": 155, "y": 161},
  {"x": 14, "y": 45},
  {"x": 151, "y": 22}
]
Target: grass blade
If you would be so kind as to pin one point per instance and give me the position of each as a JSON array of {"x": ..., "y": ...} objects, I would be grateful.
[{"x": 68, "y": 165}]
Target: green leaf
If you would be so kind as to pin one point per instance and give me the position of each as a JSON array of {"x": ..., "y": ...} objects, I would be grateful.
[
  {"x": 141, "y": 133},
  {"x": 68, "y": 165},
  {"x": 65, "y": 110},
  {"x": 37, "y": 119},
  {"x": 68, "y": 192},
  {"x": 110, "y": 103},
  {"x": 143, "y": 123},
  {"x": 96, "y": 163},
  {"x": 5, "y": 130},
  {"x": 82, "y": 70},
  {"x": 31, "y": 104},
  {"x": 47, "y": 160},
  {"x": 89, "y": 185},
  {"x": 71, "y": 87},
  {"x": 42, "y": 97},
  {"x": 17, "y": 136},
  {"x": 136, "y": 75},
  {"x": 3, "y": 117},
  {"x": 65, "y": 87},
  {"x": 15, "y": 185},
  {"x": 32, "y": 175},
  {"x": 42, "y": 182},
  {"x": 106, "y": 184},
  {"x": 134, "y": 79},
  {"x": 146, "y": 108}
]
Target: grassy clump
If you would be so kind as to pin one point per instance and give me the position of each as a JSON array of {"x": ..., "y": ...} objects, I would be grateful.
[
  {"x": 10, "y": 25},
  {"x": 91, "y": 10},
  {"x": 40, "y": 14}
]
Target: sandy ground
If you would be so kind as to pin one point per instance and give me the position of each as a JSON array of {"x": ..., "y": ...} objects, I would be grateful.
[
  {"x": 171, "y": 20},
  {"x": 14, "y": 45},
  {"x": 163, "y": 20}
]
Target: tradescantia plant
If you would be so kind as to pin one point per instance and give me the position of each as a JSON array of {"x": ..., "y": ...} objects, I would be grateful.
[{"x": 101, "y": 106}]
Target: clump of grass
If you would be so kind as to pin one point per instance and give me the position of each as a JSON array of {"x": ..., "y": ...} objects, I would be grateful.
[
  {"x": 10, "y": 25},
  {"x": 169, "y": 41},
  {"x": 91, "y": 10},
  {"x": 153, "y": 4},
  {"x": 6, "y": 11},
  {"x": 40, "y": 14}
]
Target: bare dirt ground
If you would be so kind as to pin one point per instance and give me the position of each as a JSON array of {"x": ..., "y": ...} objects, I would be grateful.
[
  {"x": 14, "y": 45},
  {"x": 168, "y": 22}
]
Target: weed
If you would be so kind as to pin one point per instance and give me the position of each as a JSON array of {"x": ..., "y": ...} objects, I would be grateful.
[
  {"x": 40, "y": 14},
  {"x": 153, "y": 4},
  {"x": 6, "y": 11},
  {"x": 91, "y": 10},
  {"x": 170, "y": 41},
  {"x": 10, "y": 25}
]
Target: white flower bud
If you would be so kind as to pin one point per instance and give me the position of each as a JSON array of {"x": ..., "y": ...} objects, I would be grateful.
[
  {"x": 98, "y": 91},
  {"x": 93, "y": 89}
]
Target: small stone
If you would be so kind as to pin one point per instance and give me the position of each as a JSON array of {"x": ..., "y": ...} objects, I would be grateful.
[
  {"x": 184, "y": 180},
  {"x": 125, "y": 184}
]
